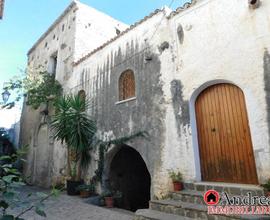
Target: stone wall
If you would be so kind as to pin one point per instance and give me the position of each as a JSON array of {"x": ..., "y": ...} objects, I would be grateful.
[
  {"x": 208, "y": 43},
  {"x": 46, "y": 157},
  {"x": 223, "y": 41},
  {"x": 99, "y": 76},
  {"x": 174, "y": 57}
]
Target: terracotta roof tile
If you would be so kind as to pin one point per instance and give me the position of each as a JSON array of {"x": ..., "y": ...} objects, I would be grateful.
[{"x": 183, "y": 8}]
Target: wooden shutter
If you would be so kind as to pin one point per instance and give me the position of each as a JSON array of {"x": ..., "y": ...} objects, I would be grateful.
[{"x": 126, "y": 85}]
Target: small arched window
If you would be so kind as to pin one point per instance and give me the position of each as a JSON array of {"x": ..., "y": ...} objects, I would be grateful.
[
  {"x": 126, "y": 85},
  {"x": 82, "y": 96}
]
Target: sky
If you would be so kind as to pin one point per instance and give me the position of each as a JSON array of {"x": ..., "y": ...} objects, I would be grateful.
[{"x": 24, "y": 22}]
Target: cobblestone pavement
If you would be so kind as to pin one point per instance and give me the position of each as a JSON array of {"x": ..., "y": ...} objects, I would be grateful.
[{"x": 66, "y": 207}]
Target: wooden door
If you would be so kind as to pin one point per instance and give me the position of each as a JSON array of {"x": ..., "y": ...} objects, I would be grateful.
[{"x": 225, "y": 146}]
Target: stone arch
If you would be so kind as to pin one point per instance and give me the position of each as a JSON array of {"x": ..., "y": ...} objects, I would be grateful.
[{"x": 127, "y": 172}]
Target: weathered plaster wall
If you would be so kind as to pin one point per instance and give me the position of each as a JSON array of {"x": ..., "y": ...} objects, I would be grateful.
[
  {"x": 93, "y": 28},
  {"x": 46, "y": 157},
  {"x": 99, "y": 75},
  {"x": 174, "y": 58},
  {"x": 58, "y": 41},
  {"x": 210, "y": 42},
  {"x": 224, "y": 41}
]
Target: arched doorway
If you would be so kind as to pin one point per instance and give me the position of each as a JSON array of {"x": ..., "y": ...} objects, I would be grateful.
[
  {"x": 129, "y": 175},
  {"x": 225, "y": 147}
]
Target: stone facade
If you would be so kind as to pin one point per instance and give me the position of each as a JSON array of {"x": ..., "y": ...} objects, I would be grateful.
[
  {"x": 56, "y": 50},
  {"x": 174, "y": 57}
]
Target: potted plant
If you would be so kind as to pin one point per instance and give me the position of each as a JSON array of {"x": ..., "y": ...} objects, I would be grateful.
[
  {"x": 86, "y": 190},
  {"x": 72, "y": 125},
  {"x": 266, "y": 187},
  {"x": 108, "y": 198},
  {"x": 176, "y": 177},
  {"x": 72, "y": 181}
]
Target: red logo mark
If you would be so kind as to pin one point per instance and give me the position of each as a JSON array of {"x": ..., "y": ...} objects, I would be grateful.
[{"x": 211, "y": 197}]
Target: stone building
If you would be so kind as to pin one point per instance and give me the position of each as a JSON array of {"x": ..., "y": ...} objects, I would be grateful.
[
  {"x": 78, "y": 29},
  {"x": 195, "y": 79}
]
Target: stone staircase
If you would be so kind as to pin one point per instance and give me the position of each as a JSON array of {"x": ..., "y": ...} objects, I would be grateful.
[{"x": 188, "y": 204}]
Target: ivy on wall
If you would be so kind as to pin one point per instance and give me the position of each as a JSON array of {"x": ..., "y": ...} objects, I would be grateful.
[{"x": 104, "y": 147}]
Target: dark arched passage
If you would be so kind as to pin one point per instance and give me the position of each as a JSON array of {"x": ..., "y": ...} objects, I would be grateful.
[{"x": 129, "y": 175}]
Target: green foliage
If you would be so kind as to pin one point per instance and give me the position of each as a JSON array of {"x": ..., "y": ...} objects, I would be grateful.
[
  {"x": 11, "y": 180},
  {"x": 107, "y": 193},
  {"x": 40, "y": 211},
  {"x": 101, "y": 155},
  {"x": 105, "y": 145},
  {"x": 110, "y": 193},
  {"x": 266, "y": 186},
  {"x": 48, "y": 89},
  {"x": 176, "y": 176},
  {"x": 73, "y": 126},
  {"x": 37, "y": 85}
]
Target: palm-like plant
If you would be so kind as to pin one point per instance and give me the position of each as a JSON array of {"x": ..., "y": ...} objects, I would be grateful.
[{"x": 73, "y": 126}]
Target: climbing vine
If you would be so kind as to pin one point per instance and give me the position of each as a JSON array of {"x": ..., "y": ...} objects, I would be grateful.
[
  {"x": 104, "y": 147},
  {"x": 36, "y": 84}
]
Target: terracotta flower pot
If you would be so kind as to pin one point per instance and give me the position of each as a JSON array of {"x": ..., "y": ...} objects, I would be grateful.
[
  {"x": 177, "y": 186},
  {"x": 109, "y": 202},
  {"x": 84, "y": 194}
]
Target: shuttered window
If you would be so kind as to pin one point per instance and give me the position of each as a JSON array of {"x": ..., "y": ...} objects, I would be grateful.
[{"x": 126, "y": 85}]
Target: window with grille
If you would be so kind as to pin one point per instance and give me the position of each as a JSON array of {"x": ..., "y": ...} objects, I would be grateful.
[{"x": 126, "y": 85}]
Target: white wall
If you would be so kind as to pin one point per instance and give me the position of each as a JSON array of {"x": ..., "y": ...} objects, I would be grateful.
[
  {"x": 223, "y": 40},
  {"x": 93, "y": 28}
]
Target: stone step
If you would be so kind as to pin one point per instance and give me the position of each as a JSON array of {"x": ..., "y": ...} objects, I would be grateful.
[
  {"x": 147, "y": 214},
  {"x": 190, "y": 196},
  {"x": 196, "y": 197},
  {"x": 194, "y": 211},
  {"x": 185, "y": 209},
  {"x": 230, "y": 188}
]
